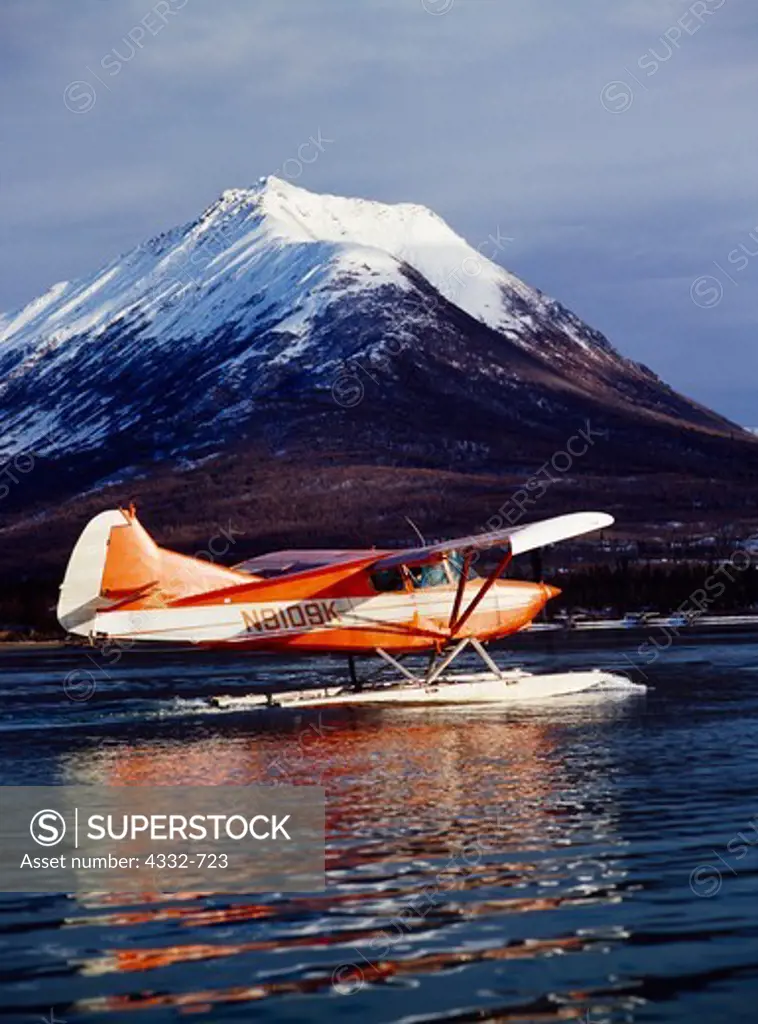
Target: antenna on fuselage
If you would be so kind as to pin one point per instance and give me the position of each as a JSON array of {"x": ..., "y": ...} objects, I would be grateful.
[{"x": 416, "y": 530}]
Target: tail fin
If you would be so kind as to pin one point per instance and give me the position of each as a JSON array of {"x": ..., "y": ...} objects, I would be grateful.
[
  {"x": 117, "y": 562},
  {"x": 80, "y": 598}
]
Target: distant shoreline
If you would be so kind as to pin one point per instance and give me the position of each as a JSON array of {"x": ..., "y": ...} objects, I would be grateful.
[
  {"x": 7, "y": 645},
  {"x": 723, "y": 623}
]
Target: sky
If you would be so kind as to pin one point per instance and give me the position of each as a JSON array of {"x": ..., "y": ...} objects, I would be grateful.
[{"x": 610, "y": 140}]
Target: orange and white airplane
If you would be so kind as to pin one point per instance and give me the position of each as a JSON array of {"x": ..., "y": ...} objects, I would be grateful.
[{"x": 121, "y": 586}]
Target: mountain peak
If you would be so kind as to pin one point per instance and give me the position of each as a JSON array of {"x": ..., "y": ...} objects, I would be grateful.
[
  {"x": 268, "y": 187},
  {"x": 332, "y": 218}
]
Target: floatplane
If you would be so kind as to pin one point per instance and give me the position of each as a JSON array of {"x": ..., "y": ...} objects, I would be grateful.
[{"x": 121, "y": 586}]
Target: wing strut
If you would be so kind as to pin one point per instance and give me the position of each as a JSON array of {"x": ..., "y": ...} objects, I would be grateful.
[
  {"x": 468, "y": 558},
  {"x": 459, "y": 622}
]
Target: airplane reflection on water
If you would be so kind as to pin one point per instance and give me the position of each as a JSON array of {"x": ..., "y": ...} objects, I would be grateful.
[{"x": 407, "y": 793}]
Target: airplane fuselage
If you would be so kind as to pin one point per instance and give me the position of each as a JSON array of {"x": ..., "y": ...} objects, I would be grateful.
[{"x": 332, "y": 621}]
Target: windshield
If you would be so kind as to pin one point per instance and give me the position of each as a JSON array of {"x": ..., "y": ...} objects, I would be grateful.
[{"x": 455, "y": 566}]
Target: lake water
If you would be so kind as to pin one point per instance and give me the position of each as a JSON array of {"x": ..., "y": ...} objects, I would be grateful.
[{"x": 594, "y": 859}]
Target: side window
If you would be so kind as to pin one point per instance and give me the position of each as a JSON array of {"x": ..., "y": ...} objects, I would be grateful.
[
  {"x": 386, "y": 581},
  {"x": 428, "y": 576}
]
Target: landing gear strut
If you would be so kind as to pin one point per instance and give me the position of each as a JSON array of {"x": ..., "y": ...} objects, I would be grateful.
[{"x": 355, "y": 682}]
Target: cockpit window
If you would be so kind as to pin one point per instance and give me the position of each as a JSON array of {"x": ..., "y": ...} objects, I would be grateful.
[
  {"x": 386, "y": 581},
  {"x": 439, "y": 574},
  {"x": 428, "y": 576}
]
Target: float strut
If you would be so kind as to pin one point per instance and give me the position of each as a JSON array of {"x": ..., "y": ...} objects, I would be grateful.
[
  {"x": 479, "y": 648},
  {"x": 459, "y": 648},
  {"x": 396, "y": 664}
]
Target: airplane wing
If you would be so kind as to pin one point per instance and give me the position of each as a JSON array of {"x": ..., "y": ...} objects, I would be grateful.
[
  {"x": 517, "y": 539},
  {"x": 279, "y": 563}
]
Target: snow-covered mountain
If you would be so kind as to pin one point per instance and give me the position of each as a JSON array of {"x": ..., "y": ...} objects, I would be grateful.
[
  {"x": 255, "y": 321},
  {"x": 288, "y": 250}
]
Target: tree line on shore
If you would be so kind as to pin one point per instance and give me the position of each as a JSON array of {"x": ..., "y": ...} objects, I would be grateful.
[{"x": 27, "y": 607}]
